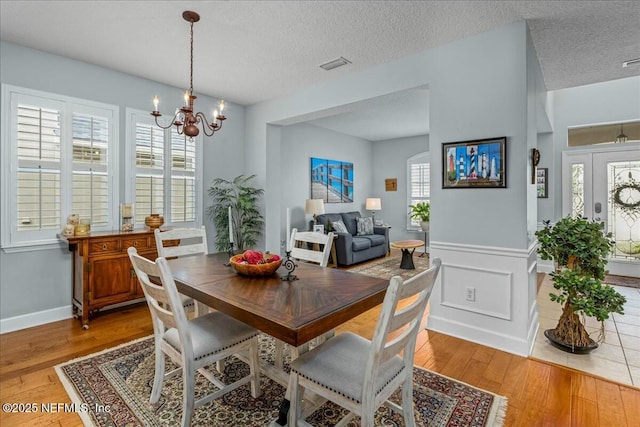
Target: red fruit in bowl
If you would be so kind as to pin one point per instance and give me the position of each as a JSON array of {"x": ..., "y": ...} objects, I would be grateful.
[
  {"x": 252, "y": 257},
  {"x": 274, "y": 258}
]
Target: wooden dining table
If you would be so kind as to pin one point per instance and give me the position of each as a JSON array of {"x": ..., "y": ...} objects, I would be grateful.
[{"x": 292, "y": 311}]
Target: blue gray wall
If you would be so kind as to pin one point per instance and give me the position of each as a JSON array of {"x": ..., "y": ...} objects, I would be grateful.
[{"x": 40, "y": 281}]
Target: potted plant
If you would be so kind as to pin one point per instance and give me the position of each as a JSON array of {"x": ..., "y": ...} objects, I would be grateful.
[
  {"x": 579, "y": 249},
  {"x": 422, "y": 212},
  {"x": 247, "y": 222}
]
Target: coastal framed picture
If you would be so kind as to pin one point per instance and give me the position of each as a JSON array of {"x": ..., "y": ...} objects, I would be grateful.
[
  {"x": 331, "y": 180},
  {"x": 480, "y": 163}
]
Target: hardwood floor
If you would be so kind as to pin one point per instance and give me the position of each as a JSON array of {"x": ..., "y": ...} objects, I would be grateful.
[{"x": 539, "y": 394}]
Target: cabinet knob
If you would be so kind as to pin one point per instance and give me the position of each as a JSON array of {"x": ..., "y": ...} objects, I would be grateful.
[
  {"x": 133, "y": 273},
  {"x": 104, "y": 246},
  {"x": 135, "y": 243}
]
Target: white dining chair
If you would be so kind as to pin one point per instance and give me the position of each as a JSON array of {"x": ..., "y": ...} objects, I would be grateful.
[
  {"x": 192, "y": 241},
  {"x": 192, "y": 344},
  {"x": 311, "y": 246},
  {"x": 360, "y": 375}
]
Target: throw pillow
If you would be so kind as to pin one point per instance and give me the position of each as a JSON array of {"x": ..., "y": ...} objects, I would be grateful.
[
  {"x": 339, "y": 227},
  {"x": 365, "y": 226}
]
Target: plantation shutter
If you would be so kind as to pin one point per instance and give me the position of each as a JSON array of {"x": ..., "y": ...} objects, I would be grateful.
[
  {"x": 419, "y": 183},
  {"x": 150, "y": 158},
  {"x": 38, "y": 174},
  {"x": 183, "y": 173},
  {"x": 90, "y": 181}
]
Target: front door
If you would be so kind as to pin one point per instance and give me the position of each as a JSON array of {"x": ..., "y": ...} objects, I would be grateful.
[{"x": 605, "y": 186}]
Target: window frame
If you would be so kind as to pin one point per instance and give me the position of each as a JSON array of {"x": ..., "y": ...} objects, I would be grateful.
[
  {"x": 11, "y": 239},
  {"x": 420, "y": 158},
  {"x": 134, "y": 116}
]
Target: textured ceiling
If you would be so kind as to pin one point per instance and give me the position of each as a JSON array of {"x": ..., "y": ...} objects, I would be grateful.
[{"x": 250, "y": 51}]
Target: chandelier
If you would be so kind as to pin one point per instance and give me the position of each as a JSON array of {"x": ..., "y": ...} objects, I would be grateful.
[{"x": 185, "y": 120}]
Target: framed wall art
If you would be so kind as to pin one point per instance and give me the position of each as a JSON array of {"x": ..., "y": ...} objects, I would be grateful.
[
  {"x": 542, "y": 183},
  {"x": 480, "y": 163},
  {"x": 331, "y": 180}
]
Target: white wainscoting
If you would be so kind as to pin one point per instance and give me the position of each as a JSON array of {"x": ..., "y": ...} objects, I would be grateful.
[{"x": 504, "y": 314}]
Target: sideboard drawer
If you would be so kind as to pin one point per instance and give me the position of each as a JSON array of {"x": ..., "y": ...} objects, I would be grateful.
[
  {"x": 104, "y": 246},
  {"x": 140, "y": 243}
]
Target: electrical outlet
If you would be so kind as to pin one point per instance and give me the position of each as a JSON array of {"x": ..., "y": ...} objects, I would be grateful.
[
  {"x": 282, "y": 243},
  {"x": 470, "y": 294}
]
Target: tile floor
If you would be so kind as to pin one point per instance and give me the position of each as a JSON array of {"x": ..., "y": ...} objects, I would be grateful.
[{"x": 617, "y": 358}]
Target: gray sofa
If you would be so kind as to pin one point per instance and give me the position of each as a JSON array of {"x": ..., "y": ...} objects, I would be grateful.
[{"x": 351, "y": 248}]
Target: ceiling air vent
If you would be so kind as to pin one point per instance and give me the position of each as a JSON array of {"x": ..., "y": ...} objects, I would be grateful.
[{"x": 339, "y": 62}]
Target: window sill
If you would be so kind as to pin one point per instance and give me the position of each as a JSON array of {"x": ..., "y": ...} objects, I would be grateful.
[{"x": 41, "y": 245}]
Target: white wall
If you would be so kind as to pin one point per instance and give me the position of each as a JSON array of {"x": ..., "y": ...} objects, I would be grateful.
[
  {"x": 35, "y": 286},
  {"x": 486, "y": 99},
  {"x": 301, "y": 142},
  {"x": 390, "y": 161}
]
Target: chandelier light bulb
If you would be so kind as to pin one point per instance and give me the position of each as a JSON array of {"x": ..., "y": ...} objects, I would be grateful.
[
  {"x": 221, "y": 106},
  {"x": 156, "y": 102}
]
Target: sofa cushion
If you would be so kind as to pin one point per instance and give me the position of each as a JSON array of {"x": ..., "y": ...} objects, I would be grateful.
[
  {"x": 360, "y": 244},
  {"x": 349, "y": 219},
  {"x": 375, "y": 239},
  {"x": 326, "y": 219},
  {"x": 364, "y": 226},
  {"x": 338, "y": 226}
]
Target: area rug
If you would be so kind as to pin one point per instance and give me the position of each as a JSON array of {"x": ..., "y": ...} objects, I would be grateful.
[
  {"x": 114, "y": 387},
  {"x": 630, "y": 282},
  {"x": 387, "y": 267}
]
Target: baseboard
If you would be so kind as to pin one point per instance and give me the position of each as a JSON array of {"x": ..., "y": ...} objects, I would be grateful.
[
  {"x": 25, "y": 321},
  {"x": 479, "y": 335}
]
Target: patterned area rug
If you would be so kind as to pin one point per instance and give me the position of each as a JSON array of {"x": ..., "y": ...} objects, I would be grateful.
[
  {"x": 115, "y": 385},
  {"x": 387, "y": 267}
]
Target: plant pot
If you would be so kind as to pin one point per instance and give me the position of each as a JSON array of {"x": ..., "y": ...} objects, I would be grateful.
[
  {"x": 551, "y": 336},
  {"x": 424, "y": 225}
]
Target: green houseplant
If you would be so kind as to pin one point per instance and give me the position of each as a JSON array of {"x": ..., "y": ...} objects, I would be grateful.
[
  {"x": 243, "y": 199},
  {"x": 422, "y": 212},
  {"x": 579, "y": 249}
]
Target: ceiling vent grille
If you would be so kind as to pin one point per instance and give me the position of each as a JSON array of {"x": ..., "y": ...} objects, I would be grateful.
[{"x": 339, "y": 62}]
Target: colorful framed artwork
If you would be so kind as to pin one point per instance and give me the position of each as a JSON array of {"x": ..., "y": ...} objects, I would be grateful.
[
  {"x": 542, "y": 183},
  {"x": 475, "y": 164},
  {"x": 331, "y": 180}
]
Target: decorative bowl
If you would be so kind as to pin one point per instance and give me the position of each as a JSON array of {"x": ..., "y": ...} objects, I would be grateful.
[
  {"x": 266, "y": 269},
  {"x": 154, "y": 221}
]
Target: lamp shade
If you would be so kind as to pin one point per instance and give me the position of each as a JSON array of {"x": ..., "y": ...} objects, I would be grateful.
[
  {"x": 373, "y": 204},
  {"x": 314, "y": 207}
]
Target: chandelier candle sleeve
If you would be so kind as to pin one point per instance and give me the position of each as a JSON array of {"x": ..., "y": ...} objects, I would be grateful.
[
  {"x": 230, "y": 227},
  {"x": 288, "y": 230}
]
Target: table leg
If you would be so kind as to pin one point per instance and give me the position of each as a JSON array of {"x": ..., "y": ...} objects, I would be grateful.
[
  {"x": 407, "y": 259},
  {"x": 425, "y": 246}
]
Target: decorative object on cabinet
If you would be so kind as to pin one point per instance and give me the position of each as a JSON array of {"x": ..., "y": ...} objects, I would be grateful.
[
  {"x": 102, "y": 273},
  {"x": 127, "y": 217},
  {"x": 154, "y": 221},
  {"x": 480, "y": 163}
]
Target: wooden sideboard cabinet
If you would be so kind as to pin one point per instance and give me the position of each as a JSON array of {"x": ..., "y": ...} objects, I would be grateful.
[{"x": 102, "y": 272}]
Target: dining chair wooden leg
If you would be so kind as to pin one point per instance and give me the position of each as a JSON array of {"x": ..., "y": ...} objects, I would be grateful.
[
  {"x": 255, "y": 369},
  {"x": 407, "y": 402},
  {"x": 188, "y": 391},
  {"x": 278, "y": 354},
  {"x": 158, "y": 376}
]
